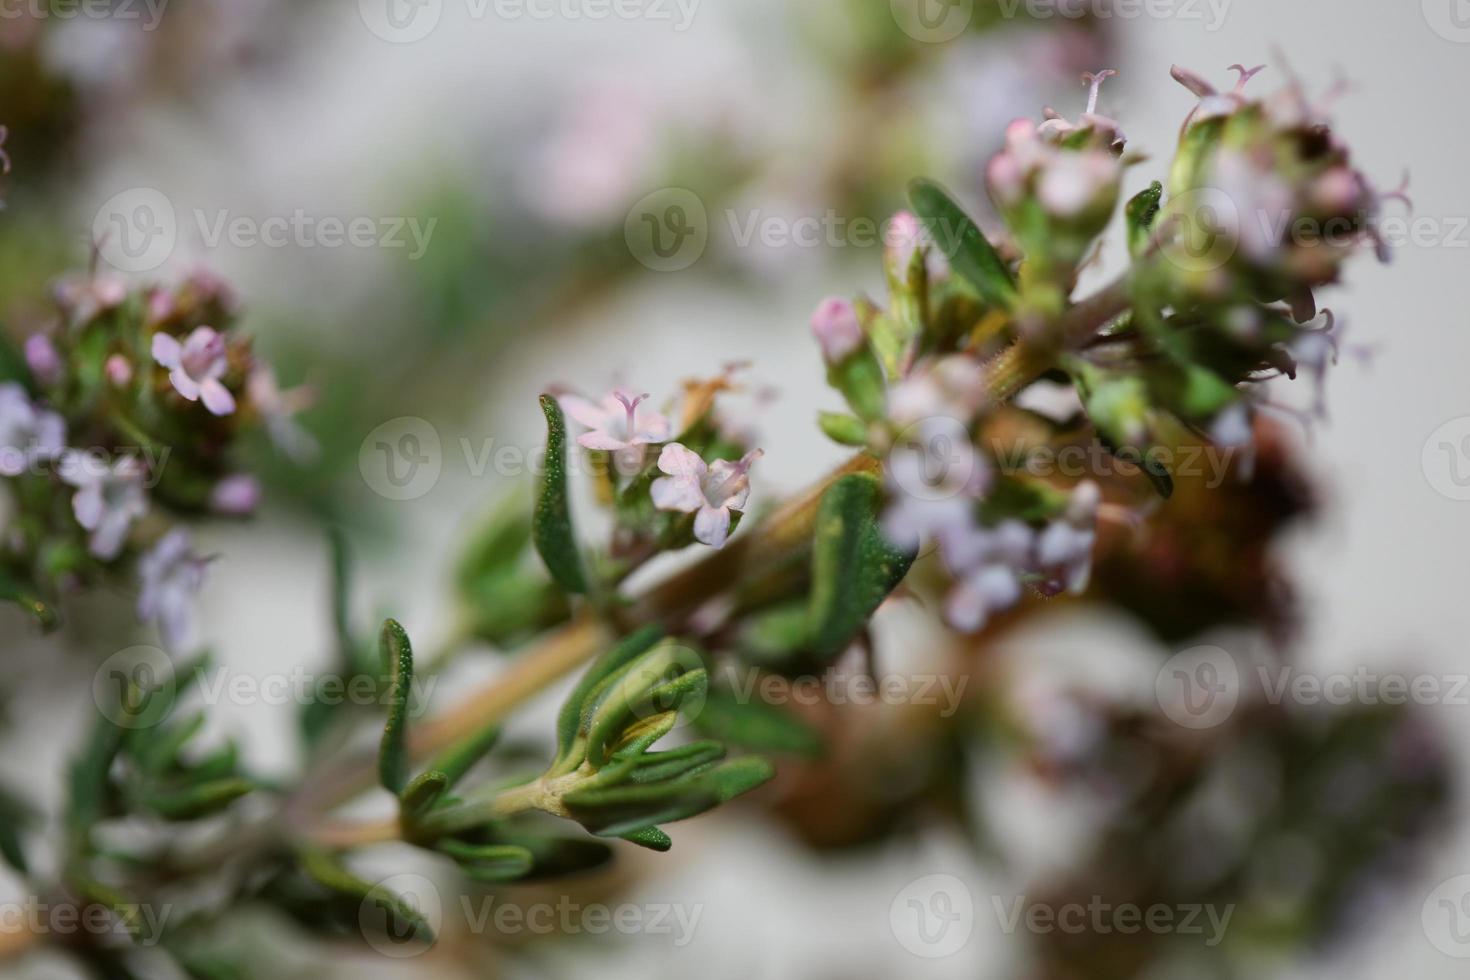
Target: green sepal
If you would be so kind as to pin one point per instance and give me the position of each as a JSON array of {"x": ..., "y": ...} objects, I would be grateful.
[
  {"x": 843, "y": 429},
  {"x": 1141, "y": 211},
  {"x": 854, "y": 566},
  {"x": 551, "y": 524}
]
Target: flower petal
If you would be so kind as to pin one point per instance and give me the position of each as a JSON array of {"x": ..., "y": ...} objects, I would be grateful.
[
  {"x": 166, "y": 350},
  {"x": 217, "y": 397},
  {"x": 712, "y": 526}
]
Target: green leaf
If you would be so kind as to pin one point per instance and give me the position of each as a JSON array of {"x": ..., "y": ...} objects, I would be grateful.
[
  {"x": 756, "y": 725},
  {"x": 23, "y": 596},
  {"x": 551, "y": 526},
  {"x": 420, "y": 795},
  {"x": 393, "y": 754},
  {"x": 199, "y": 800},
  {"x": 651, "y": 838},
  {"x": 843, "y": 429},
  {"x": 569, "y": 721},
  {"x": 460, "y": 758},
  {"x": 854, "y": 567},
  {"x": 653, "y": 684},
  {"x": 653, "y": 767},
  {"x": 401, "y": 917},
  {"x": 621, "y": 810},
  {"x": 489, "y": 862},
  {"x": 1141, "y": 211},
  {"x": 970, "y": 254}
]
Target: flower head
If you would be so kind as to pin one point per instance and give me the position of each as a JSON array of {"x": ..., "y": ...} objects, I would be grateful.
[
  {"x": 42, "y": 359},
  {"x": 196, "y": 366},
  {"x": 615, "y": 424},
  {"x": 835, "y": 325},
  {"x": 171, "y": 575},
  {"x": 987, "y": 563},
  {"x": 27, "y": 433},
  {"x": 708, "y": 491},
  {"x": 108, "y": 500}
]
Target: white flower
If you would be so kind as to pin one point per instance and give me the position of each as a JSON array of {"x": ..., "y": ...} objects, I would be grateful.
[
  {"x": 171, "y": 575},
  {"x": 1064, "y": 549},
  {"x": 196, "y": 366},
  {"x": 987, "y": 564},
  {"x": 708, "y": 491},
  {"x": 615, "y": 423},
  {"x": 934, "y": 478},
  {"x": 108, "y": 498},
  {"x": 27, "y": 434}
]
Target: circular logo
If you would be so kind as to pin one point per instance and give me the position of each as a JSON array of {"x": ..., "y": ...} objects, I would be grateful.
[
  {"x": 1446, "y": 459},
  {"x": 135, "y": 688},
  {"x": 667, "y": 230},
  {"x": 135, "y": 230},
  {"x": 933, "y": 917},
  {"x": 934, "y": 459},
  {"x": 396, "y": 912},
  {"x": 652, "y": 674},
  {"x": 1446, "y": 917},
  {"x": 1200, "y": 230},
  {"x": 933, "y": 21},
  {"x": 401, "y": 459},
  {"x": 1450, "y": 19},
  {"x": 1199, "y": 687},
  {"x": 401, "y": 21}
]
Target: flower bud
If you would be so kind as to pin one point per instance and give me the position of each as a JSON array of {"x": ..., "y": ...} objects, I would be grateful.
[
  {"x": 835, "y": 324},
  {"x": 41, "y": 357}
]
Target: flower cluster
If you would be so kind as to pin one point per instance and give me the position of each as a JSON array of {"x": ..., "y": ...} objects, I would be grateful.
[
  {"x": 1171, "y": 353},
  {"x": 132, "y": 400}
]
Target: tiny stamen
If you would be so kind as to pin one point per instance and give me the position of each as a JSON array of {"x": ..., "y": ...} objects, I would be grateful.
[
  {"x": 1094, "y": 84},
  {"x": 1246, "y": 74}
]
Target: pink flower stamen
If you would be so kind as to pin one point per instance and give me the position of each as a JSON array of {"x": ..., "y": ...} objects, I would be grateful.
[
  {"x": 1246, "y": 74},
  {"x": 1094, "y": 84}
]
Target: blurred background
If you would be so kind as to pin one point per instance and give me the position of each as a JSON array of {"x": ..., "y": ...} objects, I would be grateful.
[{"x": 506, "y": 171}]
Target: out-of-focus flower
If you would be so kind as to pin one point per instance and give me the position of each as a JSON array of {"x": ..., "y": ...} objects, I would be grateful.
[
  {"x": 934, "y": 480},
  {"x": 1064, "y": 548},
  {"x": 950, "y": 387},
  {"x": 615, "y": 422},
  {"x": 901, "y": 239},
  {"x": 108, "y": 500},
  {"x": 27, "y": 434},
  {"x": 42, "y": 359},
  {"x": 835, "y": 325},
  {"x": 236, "y": 495},
  {"x": 196, "y": 366},
  {"x": 987, "y": 564},
  {"x": 82, "y": 298},
  {"x": 119, "y": 370},
  {"x": 1213, "y": 103},
  {"x": 278, "y": 409},
  {"x": 708, "y": 491},
  {"x": 171, "y": 575}
]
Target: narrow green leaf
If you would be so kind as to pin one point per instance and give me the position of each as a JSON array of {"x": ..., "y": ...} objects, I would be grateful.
[
  {"x": 489, "y": 862},
  {"x": 393, "y": 754},
  {"x": 12, "y": 590},
  {"x": 1141, "y": 211},
  {"x": 569, "y": 721},
  {"x": 854, "y": 567},
  {"x": 420, "y": 795},
  {"x": 200, "y": 800},
  {"x": 960, "y": 239},
  {"x": 620, "y": 810},
  {"x": 756, "y": 725},
  {"x": 329, "y": 872},
  {"x": 686, "y": 760},
  {"x": 460, "y": 758},
  {"x": 551, "y": 527},
  {"x": 651, "y": 838}
]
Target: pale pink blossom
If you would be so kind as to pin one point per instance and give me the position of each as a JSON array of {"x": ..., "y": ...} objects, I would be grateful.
[
  {"x": 171, "y": 575},
  {"x": 28, "y": 434},
  {"x": 904, "y": 235},
  {"x": 835, "y": 325},
  {"x": 236, "y": 495},
  {"x": 708, "y": 491},
  {"x": 988, "y": 563},
  {"x": 119, "y": 370},
  {"x": 196, "y": 366},
  {"x": 615, "y": 424},
  {"x": 108, "y": 500},
  {"x": 42, "y": 359}
]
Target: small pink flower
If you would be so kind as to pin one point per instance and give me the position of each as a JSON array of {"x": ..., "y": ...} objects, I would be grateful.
[
  {"x": 278, "y": 409},
  {"x": 171, "y": 575},
  {"x": 615, "y": 422},
  {"x": 195, "y": 367},
  {"x": 108, "y": 499},
  {"x": 708, "y": 491},
  {"x": 42, "y": 359},
  {"x": 835, "y": 324},
  {"x": 237, "y": 495},
  {"x": 119, "y": 370},
  {"x": 27, "y": 434}
]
